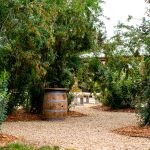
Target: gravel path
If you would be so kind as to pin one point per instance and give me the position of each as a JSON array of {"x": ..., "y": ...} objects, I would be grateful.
[{"x": 92, "y": 132}]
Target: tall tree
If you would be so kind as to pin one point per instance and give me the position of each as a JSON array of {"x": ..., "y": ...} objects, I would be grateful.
[{"x": 39, "y": 40}]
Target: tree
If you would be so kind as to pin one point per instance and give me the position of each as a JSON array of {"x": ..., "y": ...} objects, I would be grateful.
[
  {"x": 74, "y": 32},
  {"x": 26, "y": 36},
  {"x": 40, "y": 40}
]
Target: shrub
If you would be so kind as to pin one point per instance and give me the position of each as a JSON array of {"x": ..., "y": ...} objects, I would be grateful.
[
  {"x": 2, "y": 108},
  {"x": 3, "y": 95},
  {"x": 144, "y": 106},
  {"x": 117, "y": 90},
  {"x": 144, "y": 94},
  {"x": 70, "y": 98},
  {"x": 121, "y": 93},
  {"x": 116, "y": 82}
]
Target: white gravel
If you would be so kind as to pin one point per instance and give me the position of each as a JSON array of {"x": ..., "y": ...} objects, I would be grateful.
[{"x": 92, "y": 132}]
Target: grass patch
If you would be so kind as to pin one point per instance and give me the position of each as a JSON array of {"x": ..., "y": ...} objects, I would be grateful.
[
  {"x": 48, "y": 148},
  {"x": 16, "y": 146}
]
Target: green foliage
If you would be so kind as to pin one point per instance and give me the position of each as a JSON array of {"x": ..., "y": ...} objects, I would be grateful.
[
  {"x": 39, "y": 41},
  {"x": 2, "y": 110},
  {"x": 16, "y": 146},
  {"x": 25, "y": 36},
  {"x": 85, "y": 76},
  {"x": 119, "y": 80},
  {"x": 144, "y": 105},
  {"x": 123, "y": 81},
  {"x": 74, "y": 33},
  {"x": 3, "y": 95},
  {"x": 134, "y": 41},
  {"x": 49, "y": 148},
  {"x": 36, "y": 92},
  {"x": 119, "y": 92},
  {"x": 115, "y": 82},
  {"x": 70, "y": 98}
]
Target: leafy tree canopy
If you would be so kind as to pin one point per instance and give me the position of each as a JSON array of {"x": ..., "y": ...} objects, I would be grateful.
[{"x": 40, "y": 39}]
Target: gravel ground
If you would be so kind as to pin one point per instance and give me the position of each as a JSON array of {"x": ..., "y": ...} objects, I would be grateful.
[{"x": 91, "y": 132}]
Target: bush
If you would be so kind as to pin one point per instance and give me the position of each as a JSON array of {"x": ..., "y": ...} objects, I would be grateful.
[
  {"x": 144, "y": 113},
  {"x": 144, "y": 106},
  {"x": 121, "y": 93},
  {"x": 3, "y": 95},
  {"x": 117, "y": 83},
  {"x": 70, "y": 98},
  {"x": 2, "y": 109},
  {"x": 144, "y": 94},
  {"x": 117, "y": 90}
]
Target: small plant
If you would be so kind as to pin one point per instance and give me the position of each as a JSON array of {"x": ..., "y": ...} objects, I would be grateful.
[{"x": 70, "y": 98}]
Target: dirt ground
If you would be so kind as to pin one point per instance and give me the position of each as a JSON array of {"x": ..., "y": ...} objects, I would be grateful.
[{"x": 85, "y": 128}]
